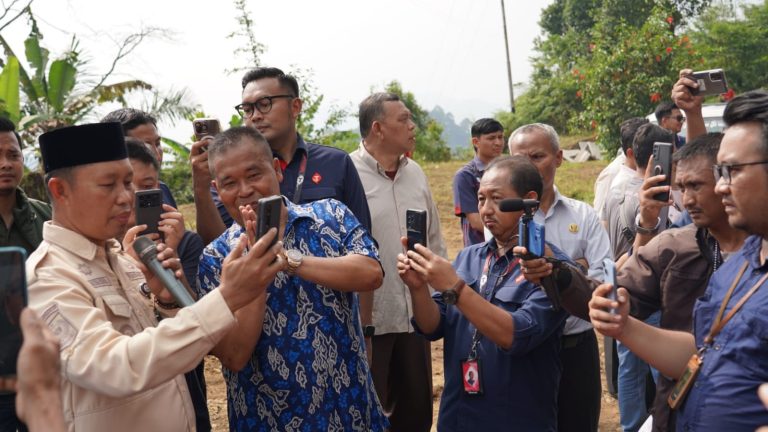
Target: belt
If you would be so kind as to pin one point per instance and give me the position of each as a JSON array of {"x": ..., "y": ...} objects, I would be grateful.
[{"x": 570, "y": 341}]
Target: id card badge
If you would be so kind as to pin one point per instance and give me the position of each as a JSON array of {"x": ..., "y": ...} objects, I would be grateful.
[
  {"x": 471, "y": 377},
  {"x": 685, "y": 382}
]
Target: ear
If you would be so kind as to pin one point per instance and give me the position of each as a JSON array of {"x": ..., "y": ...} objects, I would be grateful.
[
  {"x": 559, "y": 158},
  {"x": 531, "y": 195},
  {"x": 59, "y": 188},
  {"x": 376, "y": 129},
  {"x": 215, "y": 186},
  {"x": 296, "y": 105},
  {"x": 278, "y": 170},
  {"x": 475, "y": 140}
]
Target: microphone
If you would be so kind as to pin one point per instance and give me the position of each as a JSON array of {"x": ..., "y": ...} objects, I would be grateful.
[
  {"x": 517, "y": 204},
  {"x": 147, "y": 251}
]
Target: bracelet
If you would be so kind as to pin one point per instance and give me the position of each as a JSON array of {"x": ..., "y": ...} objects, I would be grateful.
[
  {"x": 166, "y": 306},
  {"x": 145, "y": 291},
  {"x": 646, "y": 231}
]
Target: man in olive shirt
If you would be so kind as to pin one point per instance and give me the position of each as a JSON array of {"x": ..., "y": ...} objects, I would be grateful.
[{"x": 394, "y": 183}]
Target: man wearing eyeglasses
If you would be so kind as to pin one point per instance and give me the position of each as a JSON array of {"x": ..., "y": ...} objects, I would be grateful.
[
  {"x": 271, "y": 104},
  {"x": 671, "y": 118},
  {"x": 725, "y": 359}
]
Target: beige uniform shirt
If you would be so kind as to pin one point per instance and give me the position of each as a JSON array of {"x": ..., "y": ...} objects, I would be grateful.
[
  {"x": 388, "y": 201},
  {"x": 121, "y": 370}
]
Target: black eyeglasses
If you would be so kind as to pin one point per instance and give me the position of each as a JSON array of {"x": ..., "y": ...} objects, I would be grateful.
[
  {"x": 724, "y": 170},
  {"x": 679, "y": 118},
  {"x": 264, "y": 105}
]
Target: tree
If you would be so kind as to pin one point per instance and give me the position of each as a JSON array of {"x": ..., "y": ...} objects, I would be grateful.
[
  {"x": 735, "y": 39},
  {"x": 430, "y": 145}
]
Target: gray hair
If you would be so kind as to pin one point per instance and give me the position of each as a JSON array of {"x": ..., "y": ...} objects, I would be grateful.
[{"x": 546, "y": 129}]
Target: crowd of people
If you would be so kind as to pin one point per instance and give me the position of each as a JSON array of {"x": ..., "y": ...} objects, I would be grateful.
[{"x": 325, "y": 321}]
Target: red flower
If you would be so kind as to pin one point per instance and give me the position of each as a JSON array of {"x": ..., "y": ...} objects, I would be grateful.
[
  {"x": 670, "y": 20},
  {"x": 575, "y": 71},
  {"x": 658, "y": 58},
  {"x": 669, "y": 50},
  {"x": 655, "y": 97},
  {"x": 581, "y": 77},
  {"x": 593, "y": 124},
  {"x": 578, "y": 94},
  {"x": 591, "y": 47},
  {"x": 728, "y": 95}
]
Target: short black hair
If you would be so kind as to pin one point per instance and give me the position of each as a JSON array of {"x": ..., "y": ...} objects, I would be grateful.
[
  {"x": 372, "y": 108},
  {"x": 646, "y": 135},
  {"x": 664, "y": 109},
  {"x": 523, "y": 174},
  {"x": 485, "y": 126},
  {"x": 286, "y": 80},
  {"x": 706, "y": 145},
  {"x": 137, "y": 149},
  {"x": 129, "y": 118},
  {"x": 6, "y": 125},
  {"x": 233, "y": 137},
  {"x": 751, "y": 106},
  {"x": 628, "y": 129}
]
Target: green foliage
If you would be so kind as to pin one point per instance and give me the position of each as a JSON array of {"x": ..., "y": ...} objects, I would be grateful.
[
  {"x": 177, "y": 175},
  {"x": 9, "y": 90},
  {"x": 348, "y": 141},
  {"x": 430, "y": 145},
  {"x": 736, "y": 41},
  {"x": 630, "y": 71}
]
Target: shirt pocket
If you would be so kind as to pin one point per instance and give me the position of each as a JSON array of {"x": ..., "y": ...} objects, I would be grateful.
[
  {"x": 748, "y": 342},
  {"x": 510, "y": 296},
  {"x": 119, "y": 313}
]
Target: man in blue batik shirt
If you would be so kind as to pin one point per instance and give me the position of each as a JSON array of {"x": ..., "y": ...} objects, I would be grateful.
[
  {"x": 296, "y": 359},
  {"x": 498, "y": 328},
  {"x": 733, "y": 355}
]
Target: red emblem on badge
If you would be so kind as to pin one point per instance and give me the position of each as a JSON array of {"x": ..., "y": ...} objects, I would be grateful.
[{"x": 316, "y": 177}]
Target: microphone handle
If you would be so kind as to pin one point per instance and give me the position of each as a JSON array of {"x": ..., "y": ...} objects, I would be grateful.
[{"x": 169, "y": 281}]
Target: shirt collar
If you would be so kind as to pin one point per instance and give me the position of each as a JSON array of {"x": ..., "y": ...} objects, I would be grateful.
[
  {"x": 751, "y": 251},
  {"x": 478, "y": 164},
  {"x": 74, "y": 242},
  {"x": 372, "y": 163},
  {"x": 301, "y": 145}
]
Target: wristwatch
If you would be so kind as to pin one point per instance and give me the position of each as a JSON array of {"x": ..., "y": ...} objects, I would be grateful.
[
  {"x": 294, "y": 259},
  {"x": 451, "y": 295},
  {"x": 369, "y": 331},
  {"x": 646, "y": 231}
]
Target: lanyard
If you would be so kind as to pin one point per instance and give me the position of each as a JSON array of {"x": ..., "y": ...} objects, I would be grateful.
[
  {"x": 488, "y": 294},
  {"x": 300, "y": 179},
  {"x": 720, "y": 322}
]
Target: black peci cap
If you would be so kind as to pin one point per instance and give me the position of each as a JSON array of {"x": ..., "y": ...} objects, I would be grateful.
[{"x": 81, "y": 145}]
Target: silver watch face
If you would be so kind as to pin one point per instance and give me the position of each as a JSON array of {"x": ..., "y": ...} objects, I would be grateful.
[{"x": 294, "y": 255}]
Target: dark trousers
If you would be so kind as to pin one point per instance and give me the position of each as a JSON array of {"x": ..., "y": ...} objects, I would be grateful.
[
  {"x": 402, "y": 375},
  {"x": 578, "y": 399},
  {"x": 196, "y": 384},
  {"x": 8, "y": 420}
]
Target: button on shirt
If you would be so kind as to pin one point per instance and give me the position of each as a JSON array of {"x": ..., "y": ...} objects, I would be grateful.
[
  {"x": 724, "y": 396},
  {"x": 389, "y": 199},
  {"x": 466, "y": 182},
  {"x": 330, "y": 173},
  {"x": 519, "y": 384},
  {"x": 308, "y": 371},
  {"x": 574, "y": 227}
]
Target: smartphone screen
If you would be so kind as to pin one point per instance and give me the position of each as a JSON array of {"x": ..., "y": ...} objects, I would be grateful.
[
  {"x": 269, "y": 216},
  {"x": 416, "y": 227},
  {"x": 149, "y": 207},
  {"x": 13, "y": 298}
]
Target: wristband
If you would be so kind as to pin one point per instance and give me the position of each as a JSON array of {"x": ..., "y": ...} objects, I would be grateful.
[{"x": 646, "y": 231}]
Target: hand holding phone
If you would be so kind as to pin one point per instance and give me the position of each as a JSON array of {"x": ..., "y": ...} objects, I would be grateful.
[
  {"x": 662, "y": 164},
  {"x": 13, "y": 298},
  {"x": 609, "y": 267},
  {"x": 711, "y": 82},
  {"x": 416, "y": 227},
  {"x": 204, "y": 127}
]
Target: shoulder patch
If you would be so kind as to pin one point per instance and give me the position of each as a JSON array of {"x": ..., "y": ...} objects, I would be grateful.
[{"x": 59, "y": 325}]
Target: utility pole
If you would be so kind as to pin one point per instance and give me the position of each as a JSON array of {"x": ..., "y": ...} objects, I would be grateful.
[{"x": 509, "y": 64}]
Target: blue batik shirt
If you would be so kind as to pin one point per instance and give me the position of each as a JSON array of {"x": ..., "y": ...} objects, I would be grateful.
[
  {"x": 309, "y": 370},
  {"x": 724, "y": 396}
]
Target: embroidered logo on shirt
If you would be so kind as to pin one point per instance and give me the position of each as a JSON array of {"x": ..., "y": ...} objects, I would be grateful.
[
  {"x": 316, "y": 177},
  {"x": 573, "y": 228},
  {"x": 59, "y": 325},
  {"x": 84, "y": 269}
]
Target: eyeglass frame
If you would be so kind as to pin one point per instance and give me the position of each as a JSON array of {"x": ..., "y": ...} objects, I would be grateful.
[
  {"x": 680, "y": 118},
  {"x": 255, "y": 105},
  {"x": 724, "y": 170}
]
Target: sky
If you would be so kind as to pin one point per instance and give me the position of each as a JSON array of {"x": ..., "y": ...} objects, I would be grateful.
[{"x": 447, "y": 52}]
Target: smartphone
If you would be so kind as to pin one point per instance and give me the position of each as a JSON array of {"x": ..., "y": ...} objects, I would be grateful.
[
  {"x": 711, "y": 82},
  {"x": 269, "y": 216},
  {"x": 531, "y": 237},
  {"x": 149, "y": 207},
  {"x": 416, "y": 227},
  {"x": 204, "y": 127},
  {"x": 13, "y": 298},
  {"x": 609, "y": 269},
  {"x": 662, "y": 164}
]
